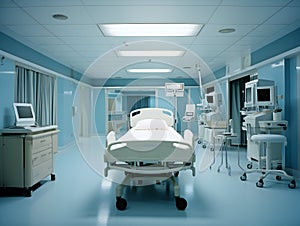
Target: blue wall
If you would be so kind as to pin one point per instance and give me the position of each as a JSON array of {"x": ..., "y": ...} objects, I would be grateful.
[
  {"x": 16, "y": 48},
  {"x": 7, "y": 82},
  {"x": 141, "y": 82},
  {"x": 292, "y": 113},
  {"x": 288, "y": 42}
]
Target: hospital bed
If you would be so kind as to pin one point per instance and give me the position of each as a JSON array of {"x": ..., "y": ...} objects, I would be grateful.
[{"x": 151, "y": 151}]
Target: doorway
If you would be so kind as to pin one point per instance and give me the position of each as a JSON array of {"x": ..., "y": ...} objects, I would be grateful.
[{"x": 237, "y": 99}]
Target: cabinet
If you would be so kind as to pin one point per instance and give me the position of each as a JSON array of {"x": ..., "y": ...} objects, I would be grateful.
[{"x": 26, "y": 159}]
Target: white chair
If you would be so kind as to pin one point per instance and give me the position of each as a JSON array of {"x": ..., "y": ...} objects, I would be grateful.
[{"x": 265, "y": 159}]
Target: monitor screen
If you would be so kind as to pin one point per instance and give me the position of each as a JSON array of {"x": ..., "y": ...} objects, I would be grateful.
[
  {"x": 24, "y": 111},
  {"x": 24, "y": 114},
  {"x": 263, "y": 94},
  {"x": 210, "y": 89},
  {"x": 248, "y": 95},
  {"x": 210, "y": 99}
]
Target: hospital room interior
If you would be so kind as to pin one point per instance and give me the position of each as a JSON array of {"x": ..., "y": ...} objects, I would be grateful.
[{"x": 128, "y": 112}]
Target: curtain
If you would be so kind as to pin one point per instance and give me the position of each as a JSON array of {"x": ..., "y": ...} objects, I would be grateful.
[
  {"x": 40, "y": 90},
  {"x": 237, "y": 88},
  {"x": 235, "y": 112}
]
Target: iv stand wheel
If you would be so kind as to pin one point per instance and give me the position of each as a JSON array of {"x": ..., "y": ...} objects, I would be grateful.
[
  {"x": 292, "y": 185},
  {"x": 249, "y": 165},
  {"x": 121, "y": 203},
  {"x": 181, "y": 203},
  {"x": 243, "y": 177},
  {"x": 260, "y": 183}
]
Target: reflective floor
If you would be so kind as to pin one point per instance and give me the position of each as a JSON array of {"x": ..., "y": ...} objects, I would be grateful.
[{"x": 80, "y": 196}]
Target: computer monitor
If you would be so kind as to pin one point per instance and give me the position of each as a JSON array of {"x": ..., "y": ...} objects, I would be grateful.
[
  {"x": 214, "y": 99},
  {"x": 265, "y": 96},
  {"x": 24, "y": 114}
]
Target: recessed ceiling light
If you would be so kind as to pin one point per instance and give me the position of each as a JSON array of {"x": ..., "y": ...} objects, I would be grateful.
[
  {"x": 149, "y": 70},
  {"x": 227, "y": 30},
  {"x": 60, "y": 16},
  {"x": 150, "y": 53},
  {"x": 150, "y": 29}
]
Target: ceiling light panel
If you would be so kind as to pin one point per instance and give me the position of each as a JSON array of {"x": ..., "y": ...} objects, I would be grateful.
[
  {"x": 149, "y": 70},
  {"x": 150, "y": 29},
  {"x": 150, "y": 53}
]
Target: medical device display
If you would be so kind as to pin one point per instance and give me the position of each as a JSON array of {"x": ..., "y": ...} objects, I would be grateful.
[
  {"x": 259, "y": 93},
  {"x": 24, "y": 114},
  {"x": 249, "y": 96},
  {"x": 150, "y": 151},
  {"x": 174, "y": 89},
  {"x": 214, "y": 99},
  {"x": 265, "y": 96}
]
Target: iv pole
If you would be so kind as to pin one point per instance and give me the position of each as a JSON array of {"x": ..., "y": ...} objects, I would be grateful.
[{"x": 200, "y": 84}]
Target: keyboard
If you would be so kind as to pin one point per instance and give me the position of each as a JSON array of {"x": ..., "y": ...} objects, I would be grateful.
[
  {"x": 40, "y": 128},
  {"x": 27, "y": 129}
]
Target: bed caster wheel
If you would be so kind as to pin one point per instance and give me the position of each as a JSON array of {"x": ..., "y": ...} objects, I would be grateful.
[
  {"x": 243, "y": 177},
  {"x": 199, "y": 142},
  {"x": 176, "y": 174},
  {"x": 278, "y": 178},
  {"x": 249, "y": 165},
  {"x": 292, "y": 185},
  {"x": 121, "y": 203},
  {"x": 204, "y": 146},
  {"x": 260, "y": 183},
  {"x": 181, "y": 203},
  {"x": 52, "y": 177}
]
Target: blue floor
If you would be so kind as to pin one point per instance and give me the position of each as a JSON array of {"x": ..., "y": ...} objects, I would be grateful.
[{"x": 79, "y": 196}]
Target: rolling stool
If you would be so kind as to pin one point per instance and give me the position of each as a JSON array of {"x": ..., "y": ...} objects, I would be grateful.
[{"x": 265, "y": 154}]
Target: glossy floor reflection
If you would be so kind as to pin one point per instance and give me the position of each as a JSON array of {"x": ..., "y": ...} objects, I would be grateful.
[{"x": 80, "y": 196}]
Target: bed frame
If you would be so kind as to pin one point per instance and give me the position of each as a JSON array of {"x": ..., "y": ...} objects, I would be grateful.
[{"x": 157, "y": 160}]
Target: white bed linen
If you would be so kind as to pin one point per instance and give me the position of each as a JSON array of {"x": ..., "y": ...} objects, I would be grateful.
[{"x": 168, "y": 134}]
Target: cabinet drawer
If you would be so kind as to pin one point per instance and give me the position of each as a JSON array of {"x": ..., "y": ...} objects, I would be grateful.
[
  {"x": 42, "y": 156},
  {"x": 41, "y": 171},
  {"x": 40, "y": 142}
]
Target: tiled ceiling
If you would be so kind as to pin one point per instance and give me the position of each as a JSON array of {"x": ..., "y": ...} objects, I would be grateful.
[{"x": 79, "y": 44}]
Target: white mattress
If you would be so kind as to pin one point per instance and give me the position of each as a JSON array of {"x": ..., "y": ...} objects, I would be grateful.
[{"x": 167, "y": 134}]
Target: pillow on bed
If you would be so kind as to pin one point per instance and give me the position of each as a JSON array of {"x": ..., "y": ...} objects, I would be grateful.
[{"x": 151, "y": 124}]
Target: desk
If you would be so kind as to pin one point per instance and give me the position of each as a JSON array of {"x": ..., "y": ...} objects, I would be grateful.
[{"x": 25, "y": 159}]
